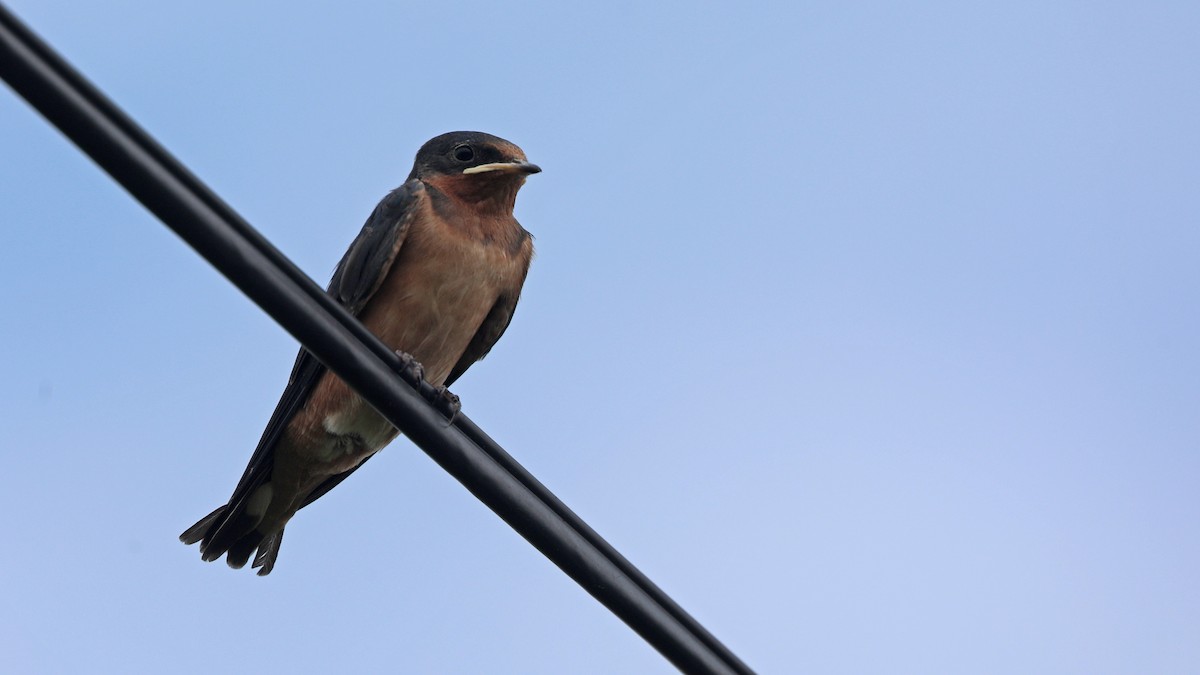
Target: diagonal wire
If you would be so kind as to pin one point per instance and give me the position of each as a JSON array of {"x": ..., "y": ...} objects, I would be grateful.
[
  {"x": 335, "y": 337},
  {"x": 185, "y": 177}
]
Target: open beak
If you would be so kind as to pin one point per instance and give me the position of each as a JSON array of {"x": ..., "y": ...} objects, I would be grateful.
[{"x": 512, "y": 167}]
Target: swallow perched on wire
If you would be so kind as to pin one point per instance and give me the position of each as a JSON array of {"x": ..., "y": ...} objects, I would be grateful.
[{"x": 435, "y": 273}]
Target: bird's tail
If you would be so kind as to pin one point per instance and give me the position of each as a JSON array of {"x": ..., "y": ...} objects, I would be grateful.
[
  {"x": 197, "y": 532},
  {"x": 235, "y": 536}
]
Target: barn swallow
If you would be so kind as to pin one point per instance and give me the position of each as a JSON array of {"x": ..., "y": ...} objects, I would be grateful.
[{"x": 436, "y": 273}]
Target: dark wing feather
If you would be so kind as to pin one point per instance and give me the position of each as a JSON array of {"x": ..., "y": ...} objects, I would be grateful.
[
  {"x": 355, "y": 280},
  {"x": 370, "y": 256}
]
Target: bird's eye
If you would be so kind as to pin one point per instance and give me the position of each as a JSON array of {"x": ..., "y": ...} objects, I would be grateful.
[{"x": 464, "y": 153}]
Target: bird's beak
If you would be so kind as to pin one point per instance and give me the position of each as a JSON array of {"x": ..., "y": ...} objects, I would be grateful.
[{"x": 518, "y": 166}]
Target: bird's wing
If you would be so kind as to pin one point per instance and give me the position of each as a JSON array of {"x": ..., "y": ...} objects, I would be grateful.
[
  {"x": 355, "y": 280},
  {"x": 370, "y": 256}
]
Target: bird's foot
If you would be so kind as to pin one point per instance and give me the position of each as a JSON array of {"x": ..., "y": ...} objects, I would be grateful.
[
  {"x": 445, "y": 402},
  {"x": 412, "y": 372}
]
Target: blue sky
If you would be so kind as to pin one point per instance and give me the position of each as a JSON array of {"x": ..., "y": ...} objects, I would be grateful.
[{"x": 867, "y": 331}]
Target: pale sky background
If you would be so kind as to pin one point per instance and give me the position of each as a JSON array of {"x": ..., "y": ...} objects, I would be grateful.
[{"x": 868, "y": 331}]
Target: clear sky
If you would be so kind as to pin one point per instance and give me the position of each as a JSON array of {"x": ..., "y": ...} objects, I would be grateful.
[{"x": 869, "y": 332}]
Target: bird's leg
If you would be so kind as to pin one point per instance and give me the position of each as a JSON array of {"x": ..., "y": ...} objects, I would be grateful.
[{"x": 412, "y": 372}]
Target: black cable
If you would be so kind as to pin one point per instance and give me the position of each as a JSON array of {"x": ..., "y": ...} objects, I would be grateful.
[
  {"x": 191, "y": 182},
  {"x": 335, "y": 337},
  {"x": 127, "y": 126}
]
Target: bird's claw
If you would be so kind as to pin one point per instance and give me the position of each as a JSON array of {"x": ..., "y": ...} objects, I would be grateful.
[
  {"x": 412, "y": 372},
  {"x": 445, "y": 402}
]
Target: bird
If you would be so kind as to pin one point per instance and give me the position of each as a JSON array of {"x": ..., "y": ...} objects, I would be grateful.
[{"x": 435, "y": 273}]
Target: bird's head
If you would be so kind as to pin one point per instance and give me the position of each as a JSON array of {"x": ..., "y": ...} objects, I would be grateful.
[{"x": 474, "y": 167}]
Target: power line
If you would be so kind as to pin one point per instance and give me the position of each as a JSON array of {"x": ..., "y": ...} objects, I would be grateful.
[{"x": 337, "y": 339}]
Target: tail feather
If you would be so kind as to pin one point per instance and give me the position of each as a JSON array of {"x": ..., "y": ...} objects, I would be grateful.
[
  {"x": 240, "y": 550},
  {"x": 268, "y": 551},
  {"x": 229, "y": 532},
  {"x": 196, "y": 532},
  {"x": 234, "y": 536}
]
